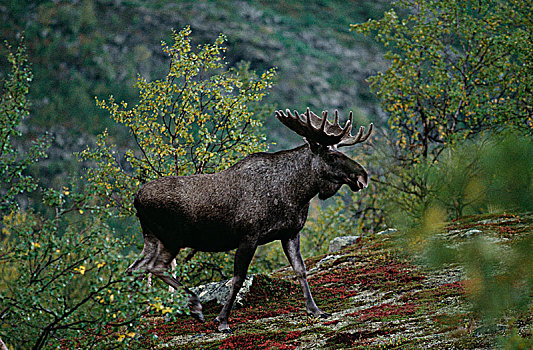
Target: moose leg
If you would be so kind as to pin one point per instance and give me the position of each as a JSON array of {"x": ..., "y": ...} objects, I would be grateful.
[
  {"x": 193, "y": 303},
  {"x": 148, "y": 254},
  {"x": 291, "y": 247},
  {"x": 156, "y": 259},
  {"x": 172, "y": 267},
  {"x": 243, "y": 257},
  {"x": 161, "y": 267}
]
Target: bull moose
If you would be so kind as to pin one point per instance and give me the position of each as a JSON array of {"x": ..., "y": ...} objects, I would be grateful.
[{"x": 262, "y": 198}]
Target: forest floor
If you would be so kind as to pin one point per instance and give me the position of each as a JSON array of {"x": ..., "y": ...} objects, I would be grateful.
[{"x": 377, "y": 297}]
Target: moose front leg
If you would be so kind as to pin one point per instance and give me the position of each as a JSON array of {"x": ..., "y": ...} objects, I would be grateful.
[
  {"x": 243, "y": 257},
  {"x": 291, "y": 247}
]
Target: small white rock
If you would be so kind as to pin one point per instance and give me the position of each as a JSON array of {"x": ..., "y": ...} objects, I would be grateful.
[{"x": 387, "y": 231}]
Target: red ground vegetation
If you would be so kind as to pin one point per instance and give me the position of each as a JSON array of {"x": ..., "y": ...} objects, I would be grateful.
[{"x": 385, "y": 311}]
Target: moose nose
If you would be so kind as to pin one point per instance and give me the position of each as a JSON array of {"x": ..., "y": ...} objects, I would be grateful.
[{"x": 362, "y": 181}]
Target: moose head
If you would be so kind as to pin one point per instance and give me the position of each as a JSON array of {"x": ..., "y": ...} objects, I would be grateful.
[
  {"x": 324, "y": 139},
  {"x": 260, "y": 199}
]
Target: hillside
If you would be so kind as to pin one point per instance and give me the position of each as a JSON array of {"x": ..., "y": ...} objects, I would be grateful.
[
  {"x": 89, "y": 48},
  {"x": 96, "y": 48},
  {"x": 453, "y": 139},
  {"x": 378, "y": 299}
]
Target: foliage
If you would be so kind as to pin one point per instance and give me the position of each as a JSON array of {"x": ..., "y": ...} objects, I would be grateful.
[
  {"x": 492, "y": 176},
  {"x": 194, "y": 121},
  {"x": 406, "y": 191},
  {"x": 14, "y": 107},
  {"x": 63, "y": 278},
  {"x": 499, "y": 278},
  {"x": 198, "y": 119},
  {"x": 456, "y": 69},
  {"x": 62, "y": 270}
]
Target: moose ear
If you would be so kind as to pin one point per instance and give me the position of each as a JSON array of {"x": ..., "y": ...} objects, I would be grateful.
[{"x": 314, "y": 146}]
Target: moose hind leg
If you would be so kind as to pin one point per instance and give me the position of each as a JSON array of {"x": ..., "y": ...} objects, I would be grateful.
[
  {"x": 291, "y": 247},
  {"x": 148, "y": 254},
  {"x": 161, "y": 268}
]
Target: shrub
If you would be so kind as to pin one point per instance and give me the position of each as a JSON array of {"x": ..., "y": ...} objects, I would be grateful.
[
  {"x": 198, "y": 119},
  {"x": 14, "y": 107},
  {"x": 62, "y": 281}
]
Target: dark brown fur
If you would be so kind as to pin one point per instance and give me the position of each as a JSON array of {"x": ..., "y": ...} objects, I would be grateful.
[{"x": 262, "y": 198}]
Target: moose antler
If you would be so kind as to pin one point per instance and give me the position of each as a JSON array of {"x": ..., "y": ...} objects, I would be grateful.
[{"x": 320, "y": 130}]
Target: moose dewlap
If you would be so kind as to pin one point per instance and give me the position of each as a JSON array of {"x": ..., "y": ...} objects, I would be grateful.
[{"x": 262, "y": 198}]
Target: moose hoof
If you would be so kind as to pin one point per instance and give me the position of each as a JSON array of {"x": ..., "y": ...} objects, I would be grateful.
[
  {"x": 196, "y": 308},
  {"x": 198, "y": 315},
  {"x": 319, "y": 314},
  {"x": 223, "y": 327}
]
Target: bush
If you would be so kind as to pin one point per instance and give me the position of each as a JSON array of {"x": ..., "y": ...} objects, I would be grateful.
[
  {"x": 493, "y": 175},
  {"x": 14, "y": 107},
  {"x": 455, "y": 70},
  {"x": 201, "y": 118},
  {"x": 62, "y": 281}
]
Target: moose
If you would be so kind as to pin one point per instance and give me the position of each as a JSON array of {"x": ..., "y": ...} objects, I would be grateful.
[{"x": 262, "y": 198}]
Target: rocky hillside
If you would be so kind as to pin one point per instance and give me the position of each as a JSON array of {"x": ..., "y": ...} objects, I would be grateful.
[
  {"x": 377, "y": 297},
  {"x": 88, "y": 48}
]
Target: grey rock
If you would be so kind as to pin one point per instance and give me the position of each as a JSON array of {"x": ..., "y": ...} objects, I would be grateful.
[
  {"x": 339, "y": 243},
  {"x": 323, "y": 262},
  {"x": 219, "y": 291},
  {"x": 387, "y": 231},
  {"x": 471, "y": 233}
]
